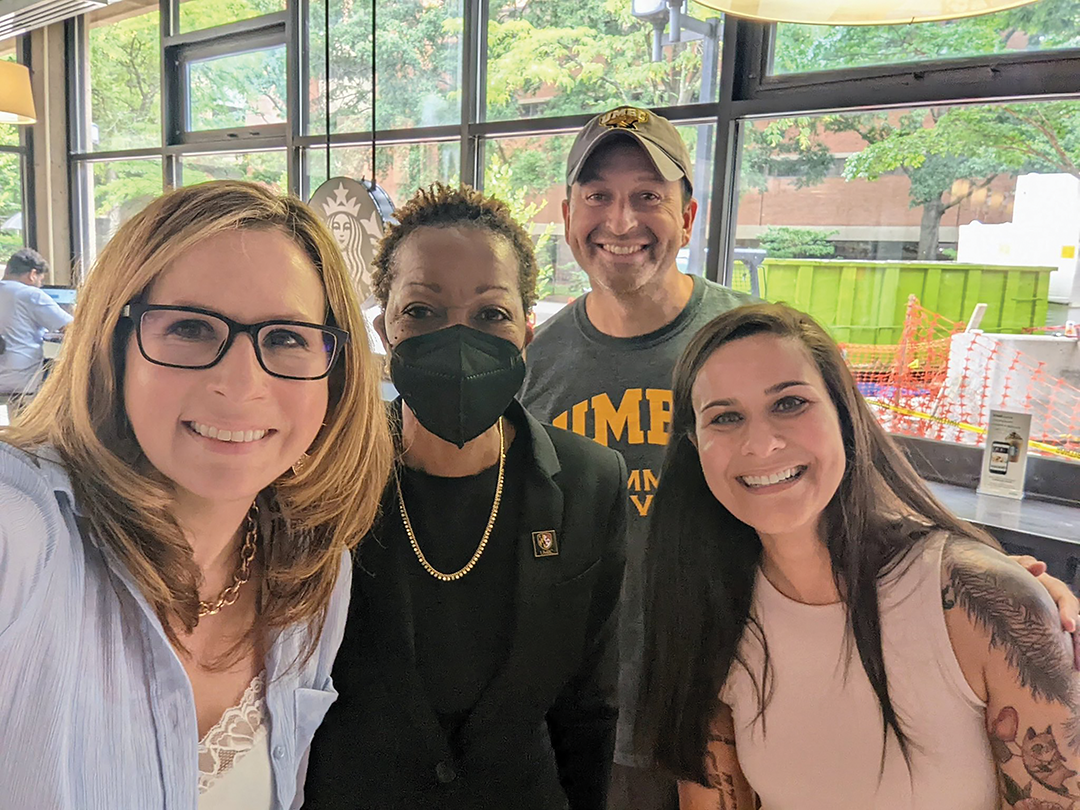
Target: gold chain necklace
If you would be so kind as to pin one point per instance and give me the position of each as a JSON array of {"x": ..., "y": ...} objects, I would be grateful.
[
  {"x": 439, "y": 575},
  {"x": 243, "y": 570}
]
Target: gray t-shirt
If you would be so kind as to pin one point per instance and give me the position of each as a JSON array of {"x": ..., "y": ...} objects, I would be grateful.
[{"x": 617, "y": 391}]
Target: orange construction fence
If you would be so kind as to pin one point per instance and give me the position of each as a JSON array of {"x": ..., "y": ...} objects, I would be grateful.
[{"x": 941, "y": 382}]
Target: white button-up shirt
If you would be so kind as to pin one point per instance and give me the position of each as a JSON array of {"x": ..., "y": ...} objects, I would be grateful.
[{"x": 96, "y": 710}]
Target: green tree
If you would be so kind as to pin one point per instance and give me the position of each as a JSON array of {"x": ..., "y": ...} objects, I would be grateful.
[
  {"x": 500, "y": 182},
  {"x": 1042, "y": 25},
  {"x": 124, "y": 104},
  {"x": 569, "y": 56},
  {"x": 123, "y": 112},
  {"x": 934, "y": 163},
  {"x": 11, "y": 238},
  {"x": 940, "y": 150},
  {"x": 198, "y": 14},
  {"x": 797, "y": 243}
]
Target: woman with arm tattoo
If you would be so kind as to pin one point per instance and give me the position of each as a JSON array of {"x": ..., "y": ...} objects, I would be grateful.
[{"x": 820, "y": 631}]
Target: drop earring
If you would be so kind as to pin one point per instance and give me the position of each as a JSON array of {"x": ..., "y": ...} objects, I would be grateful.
[{"x": 299, "y": 465}]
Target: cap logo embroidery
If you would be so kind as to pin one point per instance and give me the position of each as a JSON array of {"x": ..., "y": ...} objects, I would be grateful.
[{"x": 624, "y": 118}]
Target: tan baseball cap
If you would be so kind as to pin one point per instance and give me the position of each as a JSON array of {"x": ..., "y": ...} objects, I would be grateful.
[{"x": 659, "y": 139}]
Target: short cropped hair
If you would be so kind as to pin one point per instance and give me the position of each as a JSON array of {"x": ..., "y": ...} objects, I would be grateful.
[
  {"x": 443, "y": 206},
  {"x": 26, "y": 260}
]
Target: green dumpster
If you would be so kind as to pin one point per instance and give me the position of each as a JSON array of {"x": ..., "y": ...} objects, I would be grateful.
[{"x": 865, "y": 301}]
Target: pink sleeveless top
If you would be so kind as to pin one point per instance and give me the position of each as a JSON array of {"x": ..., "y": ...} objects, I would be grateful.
[{"x": 820, "y": 745}]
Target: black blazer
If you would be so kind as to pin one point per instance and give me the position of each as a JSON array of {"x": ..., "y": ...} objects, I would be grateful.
[{"x": 542, "y": 735}]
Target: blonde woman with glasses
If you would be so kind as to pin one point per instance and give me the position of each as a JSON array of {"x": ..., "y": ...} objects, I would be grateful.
[{"x": 177, "y": 508}]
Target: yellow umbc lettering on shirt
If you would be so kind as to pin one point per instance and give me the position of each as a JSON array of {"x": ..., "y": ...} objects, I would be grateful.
[
  {"x": 627, "y": 418},
  {"x": 622, "y": 424},
  {"x": 659, "y": 415},
  {"x": 642, "y": 483}
]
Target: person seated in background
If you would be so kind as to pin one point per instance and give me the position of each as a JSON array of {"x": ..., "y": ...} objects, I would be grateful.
[
  {"x": 26, "y": 314},
  {"x": 479, "y": 663},
  {"x": 820, "y": 630}
]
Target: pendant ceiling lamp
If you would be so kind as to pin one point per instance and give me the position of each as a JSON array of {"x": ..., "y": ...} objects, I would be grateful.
[
  {"x": 860, "y": 12},
  {"x": 16, "y": 102}
]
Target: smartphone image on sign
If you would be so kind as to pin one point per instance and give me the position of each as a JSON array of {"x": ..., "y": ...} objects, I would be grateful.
[{"x": 999, "y": 457}]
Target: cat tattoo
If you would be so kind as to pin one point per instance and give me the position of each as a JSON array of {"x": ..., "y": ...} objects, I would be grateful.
[{"x": 1044, "y": 762}]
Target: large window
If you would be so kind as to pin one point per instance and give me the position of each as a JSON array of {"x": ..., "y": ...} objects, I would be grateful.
[
  {"x": 116, "y": 132},
  {"x": 114, "y": 190},
  {"x": 400, "y": 169},
  {"x": 11, "y": 203},
  {"x": 840, "y": 169},
  {"x": 564, "y": 57},
  {"x": 894, "y": 228},
  {"x": 122, "y": 101},
  {"x": 1045, "y": 25},
  {"x": 985, "y": 186},
  {"x": 12, "y": 155},
  {"x": 195, "y": 15},
  {"x": 418, "y": 64},
  {"x": 235, "y": 90}
]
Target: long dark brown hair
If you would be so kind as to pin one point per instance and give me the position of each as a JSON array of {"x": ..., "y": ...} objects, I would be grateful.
[{"x": 701, "y": 561}]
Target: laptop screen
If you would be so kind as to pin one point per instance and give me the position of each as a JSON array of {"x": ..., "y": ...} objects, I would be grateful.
[{"x": 64, "y": 296}]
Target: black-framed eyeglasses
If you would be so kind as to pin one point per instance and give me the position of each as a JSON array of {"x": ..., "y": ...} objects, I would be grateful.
[{"x": 190, "y": 337}]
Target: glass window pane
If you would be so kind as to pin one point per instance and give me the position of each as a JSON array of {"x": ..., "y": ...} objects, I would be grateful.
[
  {"x": 530, "y": 175},
  {"x": 418, "y": 71},
  {"x": 239, "y": 90},
  {"x": 953, "y": 205},
  {"x": 1045, "y": 25},
  {"x": 123, "y": 110},
  {"x": 401, "y": 169},
  {"x": 268, "y": 168},
  {"x": 564, "y": 57},
  {"x": 116, "y": 190},
  {"x": 198, "y": 14},
  {"x": 12, "y": 231}
]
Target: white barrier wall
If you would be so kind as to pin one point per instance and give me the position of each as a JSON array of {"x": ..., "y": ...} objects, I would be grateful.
[
  {"x": 985, "y": 372},
  {"x": 1045, "y": 231}
]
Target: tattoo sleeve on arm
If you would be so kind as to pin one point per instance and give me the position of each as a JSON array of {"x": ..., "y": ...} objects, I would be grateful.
[
  {"x": 1013, "y": 616},
  {"x": 1032, "y": 694}
]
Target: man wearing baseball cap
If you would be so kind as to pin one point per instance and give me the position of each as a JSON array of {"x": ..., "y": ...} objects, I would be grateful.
[{"x": 602, "y": 366}]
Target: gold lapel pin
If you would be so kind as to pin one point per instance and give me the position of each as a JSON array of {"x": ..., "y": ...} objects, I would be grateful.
[{"x": 545, "y": 544}]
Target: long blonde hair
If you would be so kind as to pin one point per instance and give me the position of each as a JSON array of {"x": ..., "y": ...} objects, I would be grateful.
[{"x": 321, "y": 510}]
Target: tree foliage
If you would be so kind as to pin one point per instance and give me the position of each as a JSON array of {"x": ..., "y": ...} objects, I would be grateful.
[
  {"x": 940, "y": 149},
  {"x": 11, "y": 239},
  {"x": 560, "y": 57},
  {"x": 797, "y": 243}
]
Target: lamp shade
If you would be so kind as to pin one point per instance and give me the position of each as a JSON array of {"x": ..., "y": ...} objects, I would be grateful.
[
  {"x": 16, "y": 101},
  {"x": 859, "y": 12}
]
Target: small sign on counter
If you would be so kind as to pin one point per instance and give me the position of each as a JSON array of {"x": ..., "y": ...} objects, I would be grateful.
[{"x": 1005, "y": 454}]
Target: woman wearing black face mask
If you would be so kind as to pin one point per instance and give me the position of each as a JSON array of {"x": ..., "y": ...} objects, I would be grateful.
[{"x": 479, "y": 661}]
